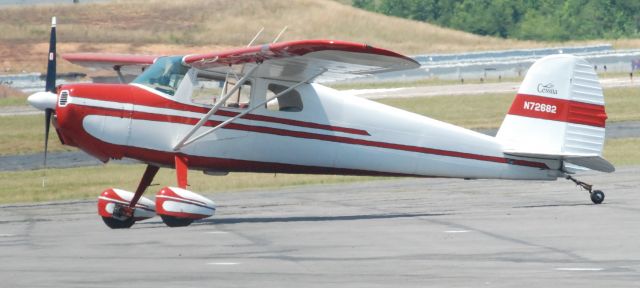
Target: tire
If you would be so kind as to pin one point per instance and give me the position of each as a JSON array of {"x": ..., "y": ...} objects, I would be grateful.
[
  {"x": 118, "y": 224},
  {"x": 175, "y": 221},
  {"x": 597, "y": 196}
]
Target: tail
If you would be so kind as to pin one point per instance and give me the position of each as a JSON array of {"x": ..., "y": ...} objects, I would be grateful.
[{"x": 559, "y": 114}]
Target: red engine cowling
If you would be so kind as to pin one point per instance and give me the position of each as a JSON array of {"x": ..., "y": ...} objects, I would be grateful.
[
  {"x": 180, "y": 203},
  {"x": 145, "y": 208}
]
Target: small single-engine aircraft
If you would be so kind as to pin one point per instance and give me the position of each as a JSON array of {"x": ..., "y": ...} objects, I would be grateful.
[{"x": 260, "y": 109}]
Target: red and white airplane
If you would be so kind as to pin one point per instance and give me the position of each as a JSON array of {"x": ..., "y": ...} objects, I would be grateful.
[{"x": 260, "y": 109}]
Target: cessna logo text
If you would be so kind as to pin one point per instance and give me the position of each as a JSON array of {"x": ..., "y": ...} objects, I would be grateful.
[
  {"x": 535, "y": 106},
  {"x": 547, "y": 88}
]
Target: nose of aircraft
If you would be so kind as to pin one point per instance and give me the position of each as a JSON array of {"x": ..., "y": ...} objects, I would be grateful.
[{"x": 43, "y": 100}]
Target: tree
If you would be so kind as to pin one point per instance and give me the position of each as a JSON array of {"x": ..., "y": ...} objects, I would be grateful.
[{"x": 523, "y": 19}]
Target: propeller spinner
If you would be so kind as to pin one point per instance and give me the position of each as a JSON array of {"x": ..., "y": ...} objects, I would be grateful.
[{"x": 47, "y": 100}]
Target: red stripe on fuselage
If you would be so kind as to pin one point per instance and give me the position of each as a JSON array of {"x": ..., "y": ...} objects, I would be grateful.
[
  {"x": 306, "y": 135},
  {"x": 558, "y": 110}
]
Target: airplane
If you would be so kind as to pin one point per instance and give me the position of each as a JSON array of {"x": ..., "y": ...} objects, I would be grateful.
[{"x": 261, "y": 108}]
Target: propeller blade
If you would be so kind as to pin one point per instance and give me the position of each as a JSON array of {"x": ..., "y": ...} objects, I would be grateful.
[
  {"x": 50, "y": 86},
  {"x": 51, "y": 65},
  {"x": 47, "y": 124}
]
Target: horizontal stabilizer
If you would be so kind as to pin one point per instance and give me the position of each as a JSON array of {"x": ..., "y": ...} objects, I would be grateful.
[{"x": 593, "y": 162}]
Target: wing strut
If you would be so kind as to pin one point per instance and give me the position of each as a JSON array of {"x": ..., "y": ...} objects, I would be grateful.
[
  {"x": 226, "y": 122},
  {"x": 255, "y": 37},
  {"x": 280, "y": 34},
  {"x": 213, "y": 110},
  {"x": 120, "y": 76}
]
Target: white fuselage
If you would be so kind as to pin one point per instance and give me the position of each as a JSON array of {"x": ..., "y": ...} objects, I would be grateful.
[{"x": 333, "y": 131}]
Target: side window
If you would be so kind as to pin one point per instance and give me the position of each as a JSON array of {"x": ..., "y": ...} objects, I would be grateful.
[
  {"x": 289, "y": 102},
  {"x": 207, "y": 90},
  {"x": 211, "y": 89},
  {"x": 240, "y": 98}
]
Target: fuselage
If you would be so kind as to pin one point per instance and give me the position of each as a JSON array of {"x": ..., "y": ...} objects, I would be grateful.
[{"x": 330, "y": 133}]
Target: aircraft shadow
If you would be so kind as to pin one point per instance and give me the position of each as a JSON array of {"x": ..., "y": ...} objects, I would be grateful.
[
  {"x": 227, "y": 221},
  {"x": 554, "y": 205}
]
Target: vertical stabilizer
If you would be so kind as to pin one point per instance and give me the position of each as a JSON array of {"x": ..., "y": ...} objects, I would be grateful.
[{"x": 559, "y": 110}]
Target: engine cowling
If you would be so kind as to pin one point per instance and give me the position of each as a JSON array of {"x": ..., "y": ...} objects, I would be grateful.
[
  {"x": 184, "y": 204},
  {"x": 145, "y": 208}
]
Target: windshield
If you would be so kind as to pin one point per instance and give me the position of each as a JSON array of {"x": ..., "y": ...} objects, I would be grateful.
[{"x": 164, "y": 75}]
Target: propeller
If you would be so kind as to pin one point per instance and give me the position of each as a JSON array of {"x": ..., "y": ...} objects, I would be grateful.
[{"x": 47, "y": 100}]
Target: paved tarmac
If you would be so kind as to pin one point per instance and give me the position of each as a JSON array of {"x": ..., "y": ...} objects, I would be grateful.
[{"x": 385, "y": 233}]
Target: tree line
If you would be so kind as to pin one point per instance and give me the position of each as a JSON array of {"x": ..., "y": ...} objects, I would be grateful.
[{"x": 548, "y": 20}]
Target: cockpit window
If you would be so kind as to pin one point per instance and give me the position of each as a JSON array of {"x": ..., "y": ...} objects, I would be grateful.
[{"x": 164, "y": 75}]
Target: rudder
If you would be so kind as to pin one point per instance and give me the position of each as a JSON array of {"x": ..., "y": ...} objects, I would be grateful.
[{"x": 558, "y": 112}]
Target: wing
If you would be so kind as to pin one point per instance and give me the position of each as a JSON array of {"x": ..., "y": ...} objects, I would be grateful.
[
  {"x": 128, "y": 64},
  {"x": 299, "y": 60}
]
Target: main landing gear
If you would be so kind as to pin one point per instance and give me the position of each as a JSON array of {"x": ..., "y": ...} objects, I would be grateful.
[
  {"x": 597, "y": 196},
  {"x": 176, "y": 206}
]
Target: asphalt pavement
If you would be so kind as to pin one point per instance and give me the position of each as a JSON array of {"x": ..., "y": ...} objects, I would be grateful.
[{"x": 386, "y": 233}]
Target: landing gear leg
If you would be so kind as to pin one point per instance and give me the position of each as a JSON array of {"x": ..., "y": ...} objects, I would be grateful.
[
  {"x": 124, "y": 213},
  {"x": 597, "y": 196}
]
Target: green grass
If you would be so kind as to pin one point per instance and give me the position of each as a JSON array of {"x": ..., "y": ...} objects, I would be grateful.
[
  {"x": 622, "y": 104},
  {"x": 11, "y": 97},
  {"x": 623, "y": 152},
  {"x": 25, "y": 134},
  {"x": 470, "y": 111},
  {"x": 88, "y": 182},
  {"x": 13, "y": 101}
]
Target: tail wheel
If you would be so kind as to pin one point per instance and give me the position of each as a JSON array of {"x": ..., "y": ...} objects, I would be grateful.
[
  {"x": 597, "y": 196},
  {"x": 172, "y": 221},
  {"x": 114, "y": 223}
]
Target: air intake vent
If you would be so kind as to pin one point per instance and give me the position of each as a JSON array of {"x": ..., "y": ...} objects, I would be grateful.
[{"x": 63, "y": 98}]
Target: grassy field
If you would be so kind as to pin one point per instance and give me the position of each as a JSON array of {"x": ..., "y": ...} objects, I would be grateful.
[
  {"x": 191, "y": 26},
  {"x": 25, "y": 134},
  {"x": 88, "y": 182},
  {"x": 13, "y": 101},
  {"x": 11, "y": 97},
  {"x": 623, "y": 152}
]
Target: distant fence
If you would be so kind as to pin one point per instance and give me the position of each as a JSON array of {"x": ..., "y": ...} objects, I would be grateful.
[
  {"x": 507, "y": 63},
  {"x": 517, "y": 53},
  {"x": 33, "y": 82}
]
